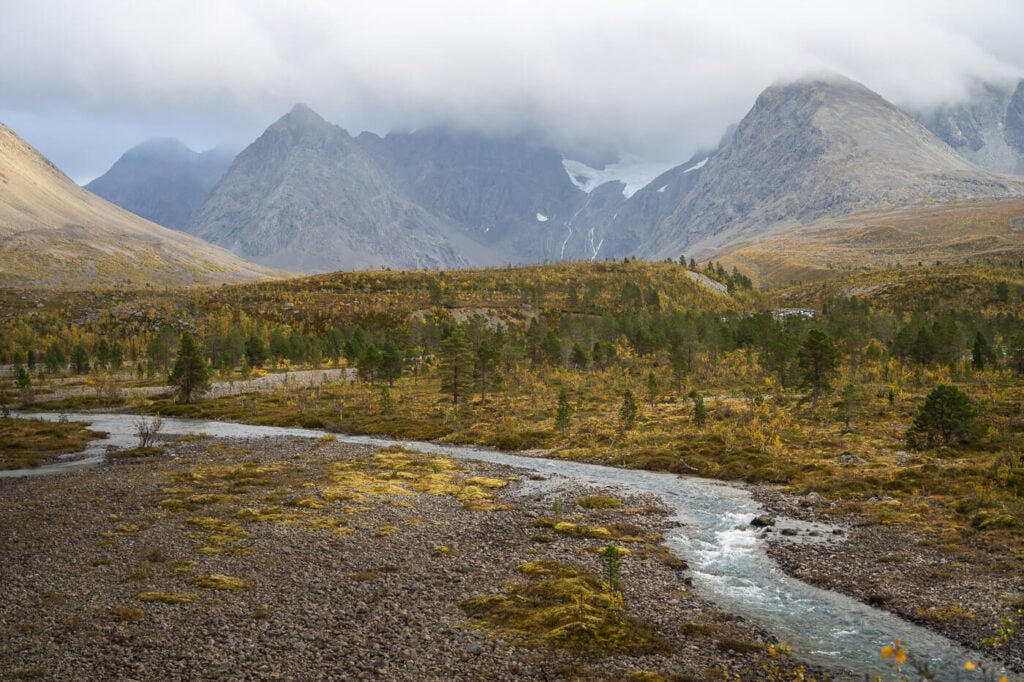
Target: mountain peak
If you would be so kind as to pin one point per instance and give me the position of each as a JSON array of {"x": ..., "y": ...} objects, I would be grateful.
[
  {"x": 814, "y": 149},
  {"x": 302, "y": 114}
]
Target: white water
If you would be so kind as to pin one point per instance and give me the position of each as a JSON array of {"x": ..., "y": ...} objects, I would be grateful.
[{"x": 729, "y": 563}]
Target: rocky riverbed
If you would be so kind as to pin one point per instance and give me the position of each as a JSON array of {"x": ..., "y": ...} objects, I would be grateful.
[
  {"x": 962, "y": 590},
  {"x": 281, "y": 558}
]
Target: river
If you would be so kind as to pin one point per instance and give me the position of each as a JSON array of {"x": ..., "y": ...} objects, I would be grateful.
[{"x": 729, "y": 562}]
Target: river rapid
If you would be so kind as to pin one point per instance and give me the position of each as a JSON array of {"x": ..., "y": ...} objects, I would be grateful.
[{"x": 728, "y": 559}]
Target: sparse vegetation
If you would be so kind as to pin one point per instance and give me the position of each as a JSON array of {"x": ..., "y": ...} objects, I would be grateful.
[
  {"x": 26, "y": 443},
  {"x": 733, "y": 387}
]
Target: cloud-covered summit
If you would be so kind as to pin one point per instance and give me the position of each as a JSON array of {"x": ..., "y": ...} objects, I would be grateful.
[{"x": 655, "y": 79}]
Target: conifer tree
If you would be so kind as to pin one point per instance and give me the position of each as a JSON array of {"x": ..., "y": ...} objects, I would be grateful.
[
  {"x": 563, "y": 412},
  {"x": 947, "y": 417},
  {"x": 190, "y": 373},
  {"x": 457, "y": 361},
  {"x": 627, "y": 413},
  {"x": 818, "y": 360}
]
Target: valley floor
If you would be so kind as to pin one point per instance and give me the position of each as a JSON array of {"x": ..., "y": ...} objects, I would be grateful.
[{"x": 294, "y": 559}]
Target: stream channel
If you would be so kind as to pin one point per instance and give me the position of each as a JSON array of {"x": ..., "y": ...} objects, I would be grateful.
[{"x": 728, "y": 559}]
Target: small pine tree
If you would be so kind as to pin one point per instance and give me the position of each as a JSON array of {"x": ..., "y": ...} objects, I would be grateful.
[
  {"x": 700, "y": 413},
  {"x": 55, "y": 360},
  {"x": 947, "y": 417},
  {"x": 457, "y": 360},
  {"x": 190, "y": 374},
  {"x": 564, "y": 411},
  {"x": 80, "y": 359},
  {"x": 485, "y": 368},
  {"x": 387, "y": 403},
  {"x": 652, "y": 389},
  {"x": 255, "y": 351},
  {"x": 818, "y": 359},
  {"x": 981, "y": 352},
  {"x": 852, "y": 395},
  {"x": 628, "y": 411},
  {"x": 22, "y": 378},
  {"x": 612, "y": 565}
]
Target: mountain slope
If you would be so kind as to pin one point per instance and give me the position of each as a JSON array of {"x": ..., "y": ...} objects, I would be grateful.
[
  {"x": 812, "y": 150},
  {"x": 987, "y": 128},
  {"x": 162, "y": 180},
  {"x": 54, "y": 233},
  {"x": 305, "y": 196},
  {"x": 958, "y": 232},
  {"x": 511, "y": 192}
]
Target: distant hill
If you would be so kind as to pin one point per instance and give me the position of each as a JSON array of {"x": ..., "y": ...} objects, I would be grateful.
[
  {"x": 954, "y": 233},
  {"x": 162, "y": 180},
  {"x": 306, "y": 196},
  {"x": 55, "y": 233},
  {"x": 812, "y": 150}
]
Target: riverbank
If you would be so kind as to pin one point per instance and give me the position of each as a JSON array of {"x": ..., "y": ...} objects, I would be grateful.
[
  {"x": 31, "y": 443},
  {"x": 962, "y": 590},
  {"x": 277, "y": 558}
]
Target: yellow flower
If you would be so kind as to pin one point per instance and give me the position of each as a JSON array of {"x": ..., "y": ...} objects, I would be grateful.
[
  {"x": 895, "y": 652},
  {"x": 970, "y": 666}
]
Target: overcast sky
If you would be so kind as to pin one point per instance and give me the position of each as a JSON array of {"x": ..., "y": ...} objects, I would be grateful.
[{"x": 657, "y": 79}]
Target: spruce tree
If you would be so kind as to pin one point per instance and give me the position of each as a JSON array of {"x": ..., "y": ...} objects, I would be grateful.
[
  {"x": 700, "y": 413},
  {"x": 457, "y": 360},
  {"x": 627, "y": 413},
  {"x": 563, "y": 412},
  {"x": 818, "y": 359},
  {"x": 981, "y": 352},
  {"x": 485, "y": 369},
  {"x": 190, "y": 373}
]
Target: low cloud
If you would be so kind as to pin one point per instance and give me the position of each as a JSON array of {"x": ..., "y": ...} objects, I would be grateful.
[{"x": 655, "y": 79}]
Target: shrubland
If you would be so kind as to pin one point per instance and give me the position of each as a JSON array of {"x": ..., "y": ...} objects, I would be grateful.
[{"x": 637, "y": 364}]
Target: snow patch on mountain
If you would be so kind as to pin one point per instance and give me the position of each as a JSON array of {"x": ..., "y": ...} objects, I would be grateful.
[
  {"x": 633, "y": 176},
  {"x": 697, "y": 166}
]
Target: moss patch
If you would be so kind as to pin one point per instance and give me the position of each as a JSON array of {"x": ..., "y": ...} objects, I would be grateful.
[{"x": 563, "y": 609}]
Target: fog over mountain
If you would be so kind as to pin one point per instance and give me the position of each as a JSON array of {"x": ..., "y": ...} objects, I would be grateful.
[
  {"x": 814, "y": 149},
  {"x": 987, "y": 128},
  {"x": 306, "y": 196},
  {"x": 162, "y": 180},
  {"x": 655, "y": 80}
]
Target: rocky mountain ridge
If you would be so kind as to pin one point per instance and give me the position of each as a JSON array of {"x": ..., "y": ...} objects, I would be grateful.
[
  {"x": 818, "y": 149},
  {"x": 308, "y": 196},
  {"x": 987, "y": 128},
  {"x": 54, "y": 233},
  {"x": 162, "y": 180}
]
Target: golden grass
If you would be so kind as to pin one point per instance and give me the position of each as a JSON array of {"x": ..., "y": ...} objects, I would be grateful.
[
  {"x": 28, "y": 443},
  {"x": 168, "y": 597}
]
